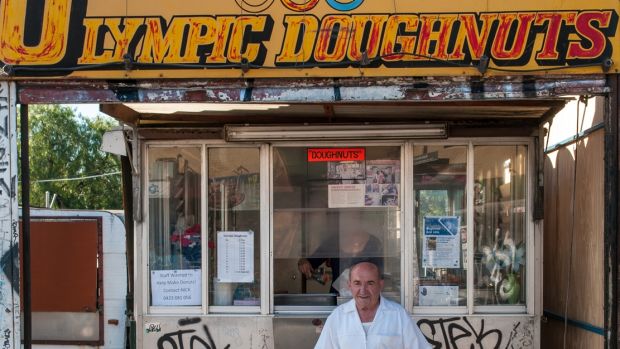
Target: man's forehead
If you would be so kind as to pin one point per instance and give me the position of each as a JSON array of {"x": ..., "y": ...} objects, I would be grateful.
[{"x": 364, "y": 268}]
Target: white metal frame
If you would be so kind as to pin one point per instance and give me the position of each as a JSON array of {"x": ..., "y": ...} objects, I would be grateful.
[
  {"x": 438, "y": 310},
  {"x": 142, "y": 242},
  {"x": 296, "y": 309},
  {"x": 407, "y": 217},
  {"x": 530, "y": 268}
]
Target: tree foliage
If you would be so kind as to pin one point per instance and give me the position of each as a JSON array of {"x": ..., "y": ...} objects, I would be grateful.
[{"x": 64, "y": 145}]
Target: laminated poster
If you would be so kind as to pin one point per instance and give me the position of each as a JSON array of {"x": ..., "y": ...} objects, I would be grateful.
[
  {"x": 345, "y": 195},
  {"x": 176, "y": 287},
  {"x": 442, "y": 242},
  {"x": 235, "y": 256},
  {"x": 382, "y": 182},
  {"x": 439, "y": 295}
]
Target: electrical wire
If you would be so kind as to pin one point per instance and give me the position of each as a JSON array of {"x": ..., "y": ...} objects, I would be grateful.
[
  {"x": 572, "y": 230},
  {"x": 76, "y": 178}
]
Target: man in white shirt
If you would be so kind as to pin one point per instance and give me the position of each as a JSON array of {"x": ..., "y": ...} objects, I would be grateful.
[{"x": 369, "y": 321}]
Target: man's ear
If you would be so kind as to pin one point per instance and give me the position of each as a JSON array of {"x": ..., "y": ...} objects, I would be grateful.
[{"x": 381, "y": 284}]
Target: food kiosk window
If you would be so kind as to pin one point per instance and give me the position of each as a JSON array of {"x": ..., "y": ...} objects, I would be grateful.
[
  {"x": 440, "y": 175},
  {"x": 228, "y": 245},
  {"x": 466, "y": 218},
  {"x": 500, "y": 187},
  {"x": 333, "y": 206},
  {"x": 175, "y": 234},
  {"x": 234, "y": 226}
]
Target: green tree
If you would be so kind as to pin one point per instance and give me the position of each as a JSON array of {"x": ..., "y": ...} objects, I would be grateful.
[{"x": 64, "y": 145}]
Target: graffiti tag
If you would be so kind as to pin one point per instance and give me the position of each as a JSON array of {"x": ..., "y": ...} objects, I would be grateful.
[
  {"x": 461, "y": 332},
  {"x": 152, "y": 327},
  {"x": 7, "y": 339},
  {"x": 177, "y": 339}
]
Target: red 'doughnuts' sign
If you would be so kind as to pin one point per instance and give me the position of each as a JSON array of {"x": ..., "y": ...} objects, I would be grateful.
[{"x": 336, "y": 154}]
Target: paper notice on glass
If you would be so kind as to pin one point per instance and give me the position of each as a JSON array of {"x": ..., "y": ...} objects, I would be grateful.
[
  {"x": 442, "y": 242},
  {"x": 345, "y": 195},
  {"x": 159, "y": 189},
  {"x": 176, "y": 287},
  {"x": 439, "y": 295},
  {"x": 235, "y": 256}
]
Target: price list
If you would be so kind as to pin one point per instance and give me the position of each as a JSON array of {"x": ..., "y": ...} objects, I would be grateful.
[{"x": 235, "y": 256}]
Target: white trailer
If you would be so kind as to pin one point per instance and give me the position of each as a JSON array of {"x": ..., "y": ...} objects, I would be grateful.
[{"x": 55, "y": 322}]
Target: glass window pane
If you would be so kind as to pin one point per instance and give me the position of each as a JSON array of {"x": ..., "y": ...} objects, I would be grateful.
[
  {"x": 500, "y": 180},
  {"x": 330, "y": 214},
  {"x": 440, "y": 256},
  {"x": 174, "y": 225},
  {"x": 234, "y": 226}
]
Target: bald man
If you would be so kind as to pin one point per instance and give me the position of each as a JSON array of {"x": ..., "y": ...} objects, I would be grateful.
[{"x": 369, "y": 320}]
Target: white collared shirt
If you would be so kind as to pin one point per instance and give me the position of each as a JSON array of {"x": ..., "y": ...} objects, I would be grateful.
[{"x": 392, "y": 328}]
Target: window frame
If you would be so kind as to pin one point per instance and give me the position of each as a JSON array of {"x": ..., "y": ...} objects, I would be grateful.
[
  {"x": 432, "y": 310},
  {"x": 204, "y": 308},
  {"x": 301, "y": 309},
  {"x": 407, "y": 222},
  {"x": 532, "y": 270}
]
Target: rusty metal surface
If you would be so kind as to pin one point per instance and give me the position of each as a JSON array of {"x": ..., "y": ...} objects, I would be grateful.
[{"x": 356, "y": 90}]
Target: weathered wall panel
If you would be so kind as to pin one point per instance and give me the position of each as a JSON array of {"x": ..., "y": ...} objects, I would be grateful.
[
  {"x": 302, "y": 332},
  {"x": 64, "y": 267},
  {"x": 553, "y": 337},
  {"x": 312, "y": 90},
  {"x": 583, "y": 256},
  {"x": 9, "y": 235}
]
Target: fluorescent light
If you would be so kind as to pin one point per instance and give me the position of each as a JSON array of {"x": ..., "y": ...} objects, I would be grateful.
[
  {"x": 172, "y": 108},
  {"x": 242, "y": 133}
]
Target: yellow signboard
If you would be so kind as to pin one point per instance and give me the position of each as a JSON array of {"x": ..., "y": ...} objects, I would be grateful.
[{"x": 305, "y": 38}]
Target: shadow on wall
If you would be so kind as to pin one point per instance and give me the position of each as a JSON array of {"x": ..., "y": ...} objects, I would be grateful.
[{"x": 573, "y": 231}]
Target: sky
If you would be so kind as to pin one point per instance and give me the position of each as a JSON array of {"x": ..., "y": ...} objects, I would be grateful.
[{"x": 87, "y": 110}]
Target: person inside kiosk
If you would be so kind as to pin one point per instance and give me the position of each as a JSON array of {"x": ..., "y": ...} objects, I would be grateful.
[
  {"x": 339, "y": 252},
  {"x": 328, "y": 216}
]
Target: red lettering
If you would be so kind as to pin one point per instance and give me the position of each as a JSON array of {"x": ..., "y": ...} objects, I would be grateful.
[
  {"x": 336, "y": 154},
  {"x": 502, "y": 49},
  {"x": 591, "y": 34},
  {"x": 554, "y": 25}
]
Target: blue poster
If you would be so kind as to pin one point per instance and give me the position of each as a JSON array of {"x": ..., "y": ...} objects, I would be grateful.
[{"x": 441, "y": 245}]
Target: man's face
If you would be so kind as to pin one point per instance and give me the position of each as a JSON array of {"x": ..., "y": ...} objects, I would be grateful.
[{"x": 365, "y": 285}]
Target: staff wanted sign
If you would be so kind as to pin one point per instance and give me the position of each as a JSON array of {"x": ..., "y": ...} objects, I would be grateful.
[{"x": 176, "y": 287}]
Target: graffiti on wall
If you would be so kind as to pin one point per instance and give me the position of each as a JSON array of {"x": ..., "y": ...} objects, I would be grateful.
[
  {"x": 475, "y": 332},
  {"x": 9, "y": 234},
  {"x": 202, "y": 333}
]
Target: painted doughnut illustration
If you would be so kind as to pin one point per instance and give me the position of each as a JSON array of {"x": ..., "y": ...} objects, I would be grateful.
[
  {"x": 254, "y": 6},
  {"x": 344, "y": 5},
  {"x": 300, "y": 5}
]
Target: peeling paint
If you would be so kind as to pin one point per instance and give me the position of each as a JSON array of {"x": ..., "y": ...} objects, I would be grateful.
[
  {"x": 296, "y": 94},
  {"x": 224, "y": 97},
  {"x": 372, "y": 93},
  {"x": 311, "y": 90}
]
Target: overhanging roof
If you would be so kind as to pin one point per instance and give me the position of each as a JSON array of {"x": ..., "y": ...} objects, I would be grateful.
[
  {"x": 398, "y": 99},
  {"x": 213, "y": 114}
]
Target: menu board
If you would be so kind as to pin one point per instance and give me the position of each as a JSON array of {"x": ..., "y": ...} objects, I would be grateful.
[{"x": 235, "y": 256}]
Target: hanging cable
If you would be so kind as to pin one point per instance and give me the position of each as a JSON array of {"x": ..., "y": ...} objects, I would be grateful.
[
  {"x": 76, "y": 178},
  {"x": 572, "y": 232}
]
